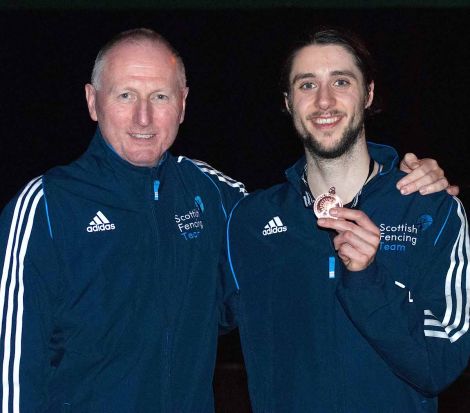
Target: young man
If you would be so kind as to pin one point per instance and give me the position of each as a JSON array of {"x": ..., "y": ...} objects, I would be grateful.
[
  {"x": 109, "y": 287},
  {"x": 361, "y": 308}
]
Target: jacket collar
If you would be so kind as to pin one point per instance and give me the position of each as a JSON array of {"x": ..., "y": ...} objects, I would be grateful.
[
  {"x": 101, "y": 150},
  {"x": 383, "y": 154}
]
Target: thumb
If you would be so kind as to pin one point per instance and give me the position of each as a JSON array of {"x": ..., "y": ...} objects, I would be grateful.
[{"x": 409, "y": 162}]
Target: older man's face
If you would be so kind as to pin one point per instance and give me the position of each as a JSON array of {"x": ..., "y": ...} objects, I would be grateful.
[{"x": 139, "y": 102}]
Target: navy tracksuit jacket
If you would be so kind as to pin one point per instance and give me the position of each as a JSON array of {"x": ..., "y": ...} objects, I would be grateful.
[
  {"x": 109, "y": 287},
  {"x": 317, "y": 338}
]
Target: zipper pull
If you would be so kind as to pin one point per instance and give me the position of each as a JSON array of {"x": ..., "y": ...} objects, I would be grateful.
[{"x": 156, "y": 185}]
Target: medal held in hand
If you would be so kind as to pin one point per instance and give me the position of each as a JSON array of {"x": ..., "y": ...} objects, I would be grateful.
[{"x": 325, "y": 202}]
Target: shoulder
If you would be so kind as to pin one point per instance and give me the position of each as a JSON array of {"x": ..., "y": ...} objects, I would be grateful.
[
  {"x": 385, "y": 188},
  {"x": 25, "y": 208},
  {"x": 209, "y": 172},
  {"x": 262, "y": 200},
  {"x": 66, "y": 177},
  {"x": 30, "y": 193},
  {"x": 433, "y": 215}
]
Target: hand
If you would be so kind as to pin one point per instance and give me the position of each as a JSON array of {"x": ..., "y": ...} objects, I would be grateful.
[
  {"x": 358, "y": 237},
  {"x": 424, "y": 175}
]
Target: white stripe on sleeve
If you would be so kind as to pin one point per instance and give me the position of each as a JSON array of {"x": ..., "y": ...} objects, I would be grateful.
[
  {"x": 18, "y": 239},
  {"x": 457, "y": 284}
]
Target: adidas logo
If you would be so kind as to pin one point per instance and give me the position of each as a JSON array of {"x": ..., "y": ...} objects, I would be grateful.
[
  {"x": 274, "y": 226},
  {"x": 100, "y": 223}
]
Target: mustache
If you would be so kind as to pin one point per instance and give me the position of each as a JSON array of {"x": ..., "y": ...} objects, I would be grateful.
[{"x": 319, "y": 114}]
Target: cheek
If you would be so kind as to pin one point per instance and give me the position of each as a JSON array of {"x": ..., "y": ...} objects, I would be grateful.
[
  {"x": 297, "y": 105},
  {"x": 115, "y": 115},
  {"x": 168, "y": 116},
  {"x": 357, "y": 101}
]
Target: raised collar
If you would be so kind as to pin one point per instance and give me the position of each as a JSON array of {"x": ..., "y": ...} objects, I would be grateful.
[
  {"x": 383, "y": 154},
  {"x": 99, "y": 148}
]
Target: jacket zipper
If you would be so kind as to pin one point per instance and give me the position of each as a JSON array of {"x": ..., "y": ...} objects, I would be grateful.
[
  {"x": 166, "y": 345},
  {"x": 333, "y": 273}
]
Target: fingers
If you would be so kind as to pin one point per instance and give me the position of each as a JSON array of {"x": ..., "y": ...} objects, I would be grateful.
[
  {"x": 409, "y": 162},
  {"x": 349, "y": 219},
  {"x": 427, "y": 177},
  {"x": 437, "y": 186},
  {"x": 353, "y": 259},
  {"x": 453, "y": 190},
  {"x": 358, "y": 237}
]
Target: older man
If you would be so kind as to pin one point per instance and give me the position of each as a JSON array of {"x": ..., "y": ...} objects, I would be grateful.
[
  {"x": 350, "y": 297},
  {"x": 109, "y": 293},
  {"x": 110, "y": 272}
]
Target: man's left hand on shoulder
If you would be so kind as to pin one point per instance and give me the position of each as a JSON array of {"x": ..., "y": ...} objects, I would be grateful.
[
  {"x": 424, "y": 175},
  {"x": 358, "y": 237}
]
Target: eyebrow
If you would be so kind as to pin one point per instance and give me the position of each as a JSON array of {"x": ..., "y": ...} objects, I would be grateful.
[
  {"x": 347, "y": 73},
  {"x": 301, "y": 76}
]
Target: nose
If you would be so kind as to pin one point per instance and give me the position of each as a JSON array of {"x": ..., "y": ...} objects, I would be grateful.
[
  {"x": 325, "y": 98},
  {"x": 143, "y": 113}
]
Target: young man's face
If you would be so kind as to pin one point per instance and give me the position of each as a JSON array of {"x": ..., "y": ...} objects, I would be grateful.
[
  {"x": 327, "y": 99},
  {"x": 139, "y": 102}
]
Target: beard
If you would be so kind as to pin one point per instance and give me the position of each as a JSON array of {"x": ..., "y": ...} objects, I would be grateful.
[{"x": 349, "y": 138}]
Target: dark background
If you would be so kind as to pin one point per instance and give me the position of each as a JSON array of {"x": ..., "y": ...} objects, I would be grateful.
[{"x": 233, "y": 54}]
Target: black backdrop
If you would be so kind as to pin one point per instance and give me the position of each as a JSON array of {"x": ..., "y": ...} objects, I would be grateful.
[{"x": 234, "y": 119}]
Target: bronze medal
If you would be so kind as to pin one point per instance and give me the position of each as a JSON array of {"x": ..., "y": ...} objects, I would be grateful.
[{"x": 325, "y": 202}]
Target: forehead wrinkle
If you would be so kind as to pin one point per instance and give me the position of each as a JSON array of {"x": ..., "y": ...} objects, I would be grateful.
[{"x": 123, "y": 63}]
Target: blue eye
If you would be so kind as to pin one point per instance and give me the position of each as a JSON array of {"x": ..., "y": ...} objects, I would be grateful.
[
  {"x": 307, "y": 85},
  {"x": 160, "y": 97},
  {"x": 342, "y": 82}
]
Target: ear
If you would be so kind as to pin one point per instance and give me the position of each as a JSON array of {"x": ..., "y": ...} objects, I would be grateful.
[
  {"x": 287, "y": 102},
  {"x": 370, "y": 95},
  {"x": 90, "y": 95},
  {"x": 185, "y": 92}
]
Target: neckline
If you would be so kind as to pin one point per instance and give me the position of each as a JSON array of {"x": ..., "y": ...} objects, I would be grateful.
[{"x": 309, "y": 198}]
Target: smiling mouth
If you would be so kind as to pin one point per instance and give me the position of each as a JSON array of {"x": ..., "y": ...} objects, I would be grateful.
[
  {"x": 142, "y": 135},
  {"x": 326, "y": 121}
]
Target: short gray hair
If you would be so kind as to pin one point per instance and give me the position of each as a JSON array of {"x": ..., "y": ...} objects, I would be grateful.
[{"x": 133, "y": 36}]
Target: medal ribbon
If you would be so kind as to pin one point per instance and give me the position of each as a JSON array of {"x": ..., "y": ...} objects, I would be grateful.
[{"x": 309, "y": 199}]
